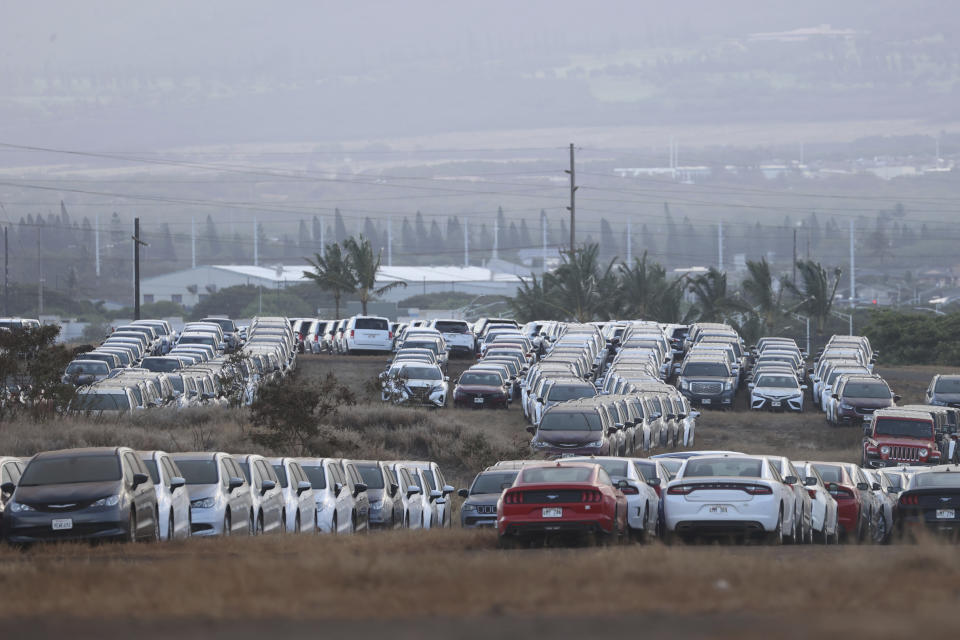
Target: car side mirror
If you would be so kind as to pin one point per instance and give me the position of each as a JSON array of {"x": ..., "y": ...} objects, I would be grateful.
[
  {"x": 532, "y": 431},
  {"x": 612, "y": 431},
  {"x": 302, "y": 486},
  {"x": 412, "y": 490},
  {"x": 447, "y": 489},
  {"x": 139, "y": 479},
  {"x": 359, "y": 488},
  {"x": 654, "y": 482},
  {"x": 809, "y": 481},
  {"x": 176, "y": 482},
  {"x": 622, "y": 484},
  {"x": 435, "y": 494},
  {"x": 803, "y": 387},
  {"x": 790, "y": 480},
  {"x": 235, "y": 483},
  {"x": 464, "y": 493},
  {"x": 393, "y": 488},
  {"x": 892, "y": 490},
  {"x": 863, "y": 486},
  {"x": 834, "y": 396},
  {"x": 896, "y": 398},
  {"x": 267, "y": 485},
  {"x": 866, "y": 429},
  {"x": 8, "y": 488},
  {"x": 337, "y": 488},
  {"x": 810, "y": 371},
  {"x": 540, "y": 400},
  {"x": 876, "y": 486}
]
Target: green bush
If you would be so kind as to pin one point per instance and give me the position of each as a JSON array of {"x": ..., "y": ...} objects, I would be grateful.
[{"x": 915, "y": 338}]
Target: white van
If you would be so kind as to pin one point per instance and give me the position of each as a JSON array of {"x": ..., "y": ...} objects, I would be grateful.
[{"x": 368, "y": 333}]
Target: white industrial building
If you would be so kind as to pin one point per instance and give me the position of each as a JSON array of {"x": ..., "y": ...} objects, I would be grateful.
[{"x": 190, "y": 286}]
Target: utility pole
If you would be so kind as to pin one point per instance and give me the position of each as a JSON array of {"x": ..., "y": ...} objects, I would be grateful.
[
  {"x": 96, "y": 243},
  {"x": 573, "y": 204},
  {"x": 720, "y": 246},
  {"x": 466, "y": 243},
  {"x": 794, "y": 256},
  {"x": 137, "y": 242},
  {"x": 256, "y": 246},
  {"x": 629, "y": 244},
  {"x": 543, "y": 233},
  {"x": 853, "y": 266},
  {"x": 389, "y": 242},
  {"x": 6, "y": 271},
  {"x": 39, "y": 270},
  {"x": 193, "y": 242}
]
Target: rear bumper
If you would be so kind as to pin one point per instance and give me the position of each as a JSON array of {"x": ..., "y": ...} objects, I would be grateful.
[
  {"x": 719, "y": 527},
  {"x": 520, "y": 528}
]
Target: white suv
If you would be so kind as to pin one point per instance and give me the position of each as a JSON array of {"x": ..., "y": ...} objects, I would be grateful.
[
  {"x": 368, "y": 333},
  {"x": 458, "y": 335}
]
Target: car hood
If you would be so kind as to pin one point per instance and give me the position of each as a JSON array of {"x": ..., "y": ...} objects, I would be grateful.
[
  {"x": 775, "y": 392},
  {"x": 375, "y": 495},
  {"x": 900, "y": 441},
  {"x": 199, "y": 491},
  {"x": 423, "y": 383},
  {"x": 946, "y": 397},
  {"x": 479, "y": 388},
  {"x": 77, "y": 492},
  {"x": 486, "y": 499},
  {"x": 573, "y": 438}
]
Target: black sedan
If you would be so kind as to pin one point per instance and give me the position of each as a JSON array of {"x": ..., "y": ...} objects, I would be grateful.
[
  {"x": 82, "y": 494},
  {"x": 931, "y": 501}
]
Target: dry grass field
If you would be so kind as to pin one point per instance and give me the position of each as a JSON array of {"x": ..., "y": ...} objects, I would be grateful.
[{"x": 456, "y": 583}]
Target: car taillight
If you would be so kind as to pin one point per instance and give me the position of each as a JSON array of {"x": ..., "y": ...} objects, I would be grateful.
[
  {"x": 758, "y": 489},
  {"x": 389, "y": 335},
  {"x": 351, "y": 333},
  {"x": 513, "y": 498},
  {"x": 590, "y": 496},
  {"x": 680, "y": 490},
  {"x": 909, "y": 500}
]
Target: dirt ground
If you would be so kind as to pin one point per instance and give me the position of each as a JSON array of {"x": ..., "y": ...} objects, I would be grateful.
[{"x": 455, "y": 583}]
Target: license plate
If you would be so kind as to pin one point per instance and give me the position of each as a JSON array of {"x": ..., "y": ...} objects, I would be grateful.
[
  {"x": 370, "y": 335},
  {"x": 478, "y": 400},
  {"x": 62, "y": 524},
  {"x": 552, "y": 512},
  {"x": 706, "y": 401},
  {"x": 774, "y": 403},
  {"x": 946, "y": 514},
  {"x": 718, "y": 508}
]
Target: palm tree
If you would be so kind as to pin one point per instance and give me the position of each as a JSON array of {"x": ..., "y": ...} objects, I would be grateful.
[
  {"x": 818, "y": 293},
  {"x": 364, "y": 266},
  {"x": 644, "y": 292},
  {"x": 759, "y": 293},
  {"x": 713, "y": 303},
  {"x": 332, "y": 272},
  {"x": 531, "y": 302},
  {"x": 579, "y": 289}
]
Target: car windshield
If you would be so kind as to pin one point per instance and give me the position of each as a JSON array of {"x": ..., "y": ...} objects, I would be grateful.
[
  {"x": 281, "y": 475},
  {"x": 371, "y": 324},
  {"x": 561, "y": 392},
  {"x": 450, "y": 327},
  {"x": 829, "y": 472},
  {"x": 729, "y": 467},
  {"x": 198, "y": 340},
  {"x": 903, "y": 428},
  {"x": 69, "y": 470},
  {"x": 151, "y": 466},
  {"x": 540, "y": 475},
  {"x": 420, "y": 373},
  {"x": 372, "y": 476},
  {"x": 487, "y": 379},
  {"x": 318, "y": 479},
  {"x": 778, "y": 382},
  {"x": 101, "y": 402},
  {"x": 866, "y": 390},
  {"x": 936, "y": 479},
  {"x": 176, "y": 382},
  {"x": 948, "y": 385},
  {"x": 164, "y": 365},
  {"x": 432, "y": 346},
  {"x": 571, "y": 421},
  {"x": 492, "y": 481},
  {"x": 707, "y": 369},
  {"x": 90, "y": 366},
  {"x": 198, "y": 471}
]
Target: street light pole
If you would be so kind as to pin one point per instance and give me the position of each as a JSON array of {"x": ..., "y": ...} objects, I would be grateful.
[{"x": 137, "y": 242}]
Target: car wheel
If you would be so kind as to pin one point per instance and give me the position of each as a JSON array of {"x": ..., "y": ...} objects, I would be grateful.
[
  {"x": 156, "y": 526},
  {"x": 506, "y": 542},
  {"x": 258, "y": 529},
  {"x": 880, "y": 530},
  {"x": 227, "y": 524},
  {"x": 170, "y": 526},
  {"x": 132, "y": 526},
  {"x": 862, "y": 531},
  {"x": 283, "y": 522},
  {"x": 296, "y": 523},
  {"x": 333, "y": 527},
  {"x": 775, "y": 537}
]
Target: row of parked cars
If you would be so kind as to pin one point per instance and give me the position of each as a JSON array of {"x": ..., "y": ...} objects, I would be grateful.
[
  {"x": 118, "y": 493},
  {"x": 146, "y": 364},
  {"x": 691, "y": 496}
]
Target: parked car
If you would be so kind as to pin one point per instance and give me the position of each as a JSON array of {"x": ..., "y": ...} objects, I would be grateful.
[
  {"x": 931, "y": 502},
  {"x": 898, "y": 436},
  {"x": 266, "y": 495},
  {"x": 776, "y": 392},
  {"x": 481, "y": 388},
  {"x": 296, "y": 492},
  {"x": 643, "y": 501},
  {"x": 85, "y": 372},
  {"x": 414, "y": 383},
  {"x": 707, "y": 381},
  {"x": 479, "y": 508},
  {"x": 944, "y": 391},
  {"x": 386, "y": 506},
  {"x": 173, "y": 498},
  {"x": 823, "y": 515},
  {"x": 853, "y": 512},
  {"x": 410, "y": 495},
  {"x": 367, "y": 333},
  {"x": 82, "y": 494},
  {"x": 334, "y": 501},
  {"x": 220, "y": 501},
  {"x": 564, "y": 498},
  {"x": 570, "y": 429}
]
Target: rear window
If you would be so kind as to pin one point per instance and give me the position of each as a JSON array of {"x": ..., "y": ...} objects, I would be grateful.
[
  {"x": 936, "y": 480},
  {"x": 372, "y": 324},
  {"x": 451, "y": 327},
  {"x": 540, "y": 475},
  {"x": 43, "y": 471},
  {"x": 614, "y": 467},
  {"x": 744, "y": 468}
]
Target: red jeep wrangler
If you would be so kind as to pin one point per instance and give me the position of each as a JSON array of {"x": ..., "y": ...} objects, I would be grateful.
[{"x": 900, "y": 436}]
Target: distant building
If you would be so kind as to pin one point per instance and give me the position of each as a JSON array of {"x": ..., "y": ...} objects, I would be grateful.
[{"x": 190, "y": 286}]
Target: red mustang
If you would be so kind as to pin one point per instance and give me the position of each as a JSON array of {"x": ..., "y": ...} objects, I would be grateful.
[{"x": 561, "y": 499}]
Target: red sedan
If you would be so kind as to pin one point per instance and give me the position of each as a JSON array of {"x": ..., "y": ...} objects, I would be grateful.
[
  {"x": 559, "y": 500},
  {"x": 851, "y": 515}
]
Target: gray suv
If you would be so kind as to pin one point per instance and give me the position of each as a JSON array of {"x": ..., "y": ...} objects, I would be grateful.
[
  {"x": 480, "y": 500},
  {"x": 707, "y": 381}
]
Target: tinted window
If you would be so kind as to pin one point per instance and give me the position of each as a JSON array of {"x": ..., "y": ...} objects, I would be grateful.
[
  {"x": 89, "y": 366},
  {"x": 708, "y": 369},
  {"x": 101, "y": 402},
  {"x": 198, "y": 471},
  {"x": 316, "y": 477},
  {"x": 43, "y": 471},
  {"x": 281, "y": 475},
  {"x": 372, "y": 477},
  {"x": 614, "y": 467},
  {"x": 372, "y": 324},
  {"x": 555, "y": 474},
  {"x": 428, "y": 474},
  {"x": 779, "y": 382},
  {"x": 493, "y": 481},
  {"x": 903, "y": 427},
  {"x": 152, "y": 470},
  {"x": 866, "y": 390},
  {"x": 487, "y": 379},
  {"x": 245, "y": 467},
  {"x": 560, "y": 392},
  {"x": 450, "y": 326},
  {"x": 948, "y": 385},
  {"x": 744, "y": 468},
  {"x": 570, "y": 421}
]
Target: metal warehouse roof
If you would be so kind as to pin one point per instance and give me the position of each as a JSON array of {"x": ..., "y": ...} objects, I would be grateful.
[{"x": 387, "y": 274}]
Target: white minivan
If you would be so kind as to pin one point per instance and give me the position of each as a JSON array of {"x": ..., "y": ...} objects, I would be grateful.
[{"x": 368, "y": 333}]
